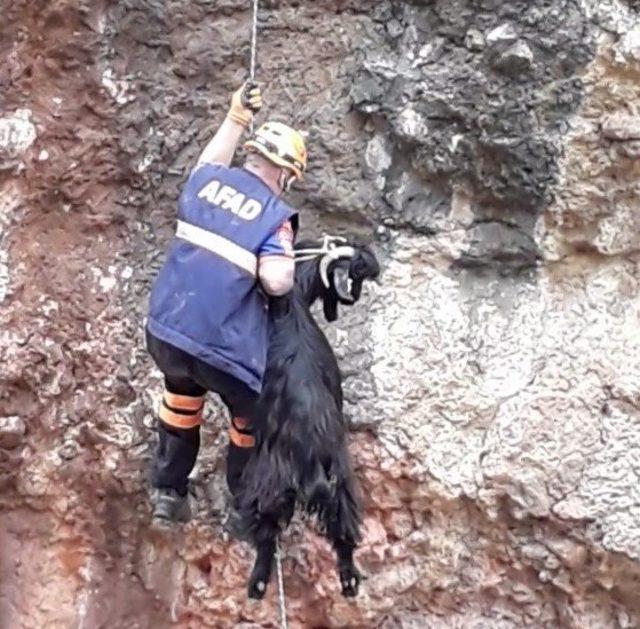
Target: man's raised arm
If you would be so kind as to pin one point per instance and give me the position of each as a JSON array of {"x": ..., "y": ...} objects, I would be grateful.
[{"x": 221, "y": 148}]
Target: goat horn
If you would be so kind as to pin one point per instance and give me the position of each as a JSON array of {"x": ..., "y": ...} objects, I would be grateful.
[{"x": 329, "y": 257}]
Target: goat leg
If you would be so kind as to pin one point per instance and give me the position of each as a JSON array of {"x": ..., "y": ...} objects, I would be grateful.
[
  {"x": 350, "y": 576},
  {"x": 342, "y": 524},
  {"x": 264, "y": 529},
  {"x": 262, "y": 568}
]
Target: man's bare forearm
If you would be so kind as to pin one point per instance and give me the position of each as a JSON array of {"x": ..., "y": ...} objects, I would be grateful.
[{"x": 222, "y": 147}]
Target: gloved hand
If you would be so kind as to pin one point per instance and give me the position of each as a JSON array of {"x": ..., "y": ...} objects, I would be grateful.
[{"x": 244, "y": 103}]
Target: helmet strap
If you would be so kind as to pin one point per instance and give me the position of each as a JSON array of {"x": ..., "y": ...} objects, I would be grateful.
[{"x": 286, "y": 181}]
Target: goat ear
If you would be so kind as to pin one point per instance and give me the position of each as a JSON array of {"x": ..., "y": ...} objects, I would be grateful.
[{"x": 330, "y": 306}]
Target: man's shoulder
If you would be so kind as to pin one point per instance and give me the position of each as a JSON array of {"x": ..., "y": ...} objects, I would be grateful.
[
  {"x": 205, "y": 173},
  {"x": 207, "y": 168},
  {"x": 202, "y": 173}
]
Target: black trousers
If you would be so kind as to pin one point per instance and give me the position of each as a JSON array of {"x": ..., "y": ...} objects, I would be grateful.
[{"x": 178, "y": 448}]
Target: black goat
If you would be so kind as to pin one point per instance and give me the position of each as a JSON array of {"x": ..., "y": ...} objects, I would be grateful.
[{"x": 301, "y": 451}]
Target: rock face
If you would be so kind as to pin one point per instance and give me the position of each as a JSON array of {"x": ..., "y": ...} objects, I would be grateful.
[{"x": 493, "y": 379}]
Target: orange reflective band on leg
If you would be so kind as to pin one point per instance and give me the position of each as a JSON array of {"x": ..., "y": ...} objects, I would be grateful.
[
  {"x": 183, "y": 402},
  {"x": 179, "y": 420},
  {"x": 240, "y": 439}
]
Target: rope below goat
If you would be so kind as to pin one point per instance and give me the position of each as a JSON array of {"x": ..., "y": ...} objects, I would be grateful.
[{"x": 281, "y": 596}]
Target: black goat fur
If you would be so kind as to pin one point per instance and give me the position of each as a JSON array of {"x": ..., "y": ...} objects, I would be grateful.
[{"x": 301, "y": 456}]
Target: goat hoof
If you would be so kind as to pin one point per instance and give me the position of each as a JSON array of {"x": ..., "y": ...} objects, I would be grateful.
[
  {"x": 350, "y": 580},
  {"x": 257, "y": 589}
]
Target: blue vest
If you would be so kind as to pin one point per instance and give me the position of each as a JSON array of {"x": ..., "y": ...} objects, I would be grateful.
[{"x": 206, "y": 299}]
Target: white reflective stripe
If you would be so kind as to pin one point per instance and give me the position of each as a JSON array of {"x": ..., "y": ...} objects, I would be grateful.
[{"x": 219, "y": 245}]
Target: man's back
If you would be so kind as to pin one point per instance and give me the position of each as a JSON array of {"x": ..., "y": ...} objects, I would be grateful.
[
  {"x": 207, "y": 326},
  {"x": 206, "y": 299}
]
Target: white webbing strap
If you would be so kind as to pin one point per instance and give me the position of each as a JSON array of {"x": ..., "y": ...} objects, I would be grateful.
[
  {"x": 219, "y": 245},
  {"x": 328, "y": 243},
  {"x": 333, "y": 248}
]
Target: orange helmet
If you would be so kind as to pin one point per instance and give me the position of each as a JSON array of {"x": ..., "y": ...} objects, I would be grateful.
[{"x": 281, "y": 145}]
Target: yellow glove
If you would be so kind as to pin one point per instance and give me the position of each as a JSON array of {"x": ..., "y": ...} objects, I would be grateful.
[{"x": 244, "y": 103}]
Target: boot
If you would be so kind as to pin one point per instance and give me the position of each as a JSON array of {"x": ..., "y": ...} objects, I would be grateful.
[
  {"x": 170, "y": 507},
  {"x": 233, "y": 526}
]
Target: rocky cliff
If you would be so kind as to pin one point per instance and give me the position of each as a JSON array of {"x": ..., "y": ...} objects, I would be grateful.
[{"x": 490, "y": 150}]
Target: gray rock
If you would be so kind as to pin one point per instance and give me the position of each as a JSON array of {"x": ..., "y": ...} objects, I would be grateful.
[
  {"x": 503, "y": 34},
  {"x": 12, "y": 431},
  {"x": 621, "y": 126},
  {"x": 499, "y": 245},
  {"x": 631, "y": 149},
  {"x": 394, "y": 28},
  {"x": 17, "y": 133},
  {"x": 474, "y": 40},
  {"x": 515, "y": 59},
  {"x": 628, "y": 49},
  {"x": 450, "y": 115},
  {"x": 378, "y": 155}
]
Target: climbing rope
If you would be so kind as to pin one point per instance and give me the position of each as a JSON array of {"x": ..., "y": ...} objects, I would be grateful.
[
  {"x": 254, "y": 49},
  {"x": 252, "y": 75},
  {"x": 254, "y": 41},
  {"x": 281, "y": 597}
]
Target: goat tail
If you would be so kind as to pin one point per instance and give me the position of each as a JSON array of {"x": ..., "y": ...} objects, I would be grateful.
[
  {"x": 268, "y": 491},
  {"x": 317, "y": 492}
]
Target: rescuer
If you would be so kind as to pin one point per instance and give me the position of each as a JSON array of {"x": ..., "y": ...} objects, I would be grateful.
[{"x": 207, "y": 324}]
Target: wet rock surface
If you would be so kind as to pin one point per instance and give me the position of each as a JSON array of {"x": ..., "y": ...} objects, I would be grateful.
[{"x": 490, "y": 150}]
